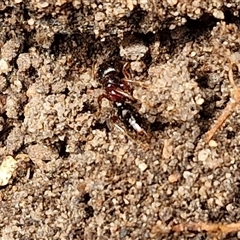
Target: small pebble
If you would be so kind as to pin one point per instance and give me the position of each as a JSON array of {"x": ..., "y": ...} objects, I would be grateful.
[
  {"x": 213, "y": 143},
  {"x": 142, "y": 166},
  {"x": 8, "y": 166},
  {"x": 200, "y": 101},
  {"x": 99, "y": 16},
  {"x": 4, "y": 66},
  {"x": 173, "y": 178},
  {"x": 203, "y": 154},
  {"x": 218, "y": 14}
]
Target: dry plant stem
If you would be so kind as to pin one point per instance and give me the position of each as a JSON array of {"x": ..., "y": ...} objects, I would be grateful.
[
  {"x": 223, "y": 228},
  {"x": 235, "y": 99},
  {"x": 225, "y": 114}
]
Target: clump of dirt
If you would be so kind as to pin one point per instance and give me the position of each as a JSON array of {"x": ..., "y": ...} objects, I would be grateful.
[{"x": 78, "y": 172}]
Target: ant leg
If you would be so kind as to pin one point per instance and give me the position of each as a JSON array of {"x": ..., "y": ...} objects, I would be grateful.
[
  {"x": 115, "y": 119},
  {"x": 234, "y": 100},
  {"x": 127, "y": 78},
  {"x": 100, "y": 98},
  {"x": 93, "y": 72},
  {"x": 125, "y": 72}
]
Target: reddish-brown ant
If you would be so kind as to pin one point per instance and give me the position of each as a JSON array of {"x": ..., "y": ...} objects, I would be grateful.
[{"x": 119, "y": 92}]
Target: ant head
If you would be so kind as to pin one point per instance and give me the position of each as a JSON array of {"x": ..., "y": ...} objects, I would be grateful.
[
  {"x": 109, "y": 70},
  {"x": 110, "y": 66},
  {"x": 108, "y": 75}
]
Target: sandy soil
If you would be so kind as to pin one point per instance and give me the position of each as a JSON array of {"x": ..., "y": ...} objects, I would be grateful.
[{"x": 74, "y": 173}]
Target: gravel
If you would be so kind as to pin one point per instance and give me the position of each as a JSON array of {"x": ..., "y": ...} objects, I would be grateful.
[{"x": 76, "y": 175}]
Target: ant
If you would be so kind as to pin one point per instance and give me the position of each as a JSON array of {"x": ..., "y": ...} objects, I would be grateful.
[{"x": 119, "y": 92}]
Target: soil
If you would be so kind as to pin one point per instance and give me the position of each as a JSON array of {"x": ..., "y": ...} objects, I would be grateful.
[{"x": 77, "y": 174}]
